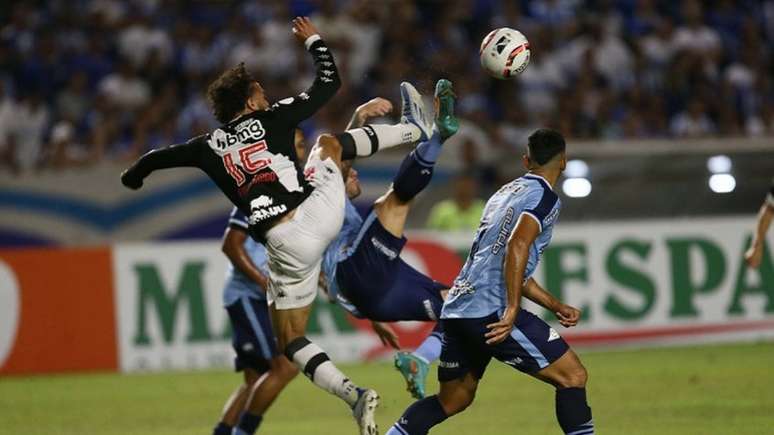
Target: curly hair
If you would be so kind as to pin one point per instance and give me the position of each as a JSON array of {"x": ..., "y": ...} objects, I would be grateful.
[{"x": 229, "y": 93}]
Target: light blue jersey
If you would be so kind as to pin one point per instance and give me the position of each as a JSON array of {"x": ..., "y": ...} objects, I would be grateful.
[
  {"x": 238, "y": 284},
  {"x": 339, "y": 250},
  {"x": 479, "y": 289}
]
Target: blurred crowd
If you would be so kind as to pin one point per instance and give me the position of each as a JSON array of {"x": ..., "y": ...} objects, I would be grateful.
[{"x": 86, "y": 80}]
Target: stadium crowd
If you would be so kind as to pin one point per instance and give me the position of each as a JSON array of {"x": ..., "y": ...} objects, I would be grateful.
[{"x": 87, "y": 80}]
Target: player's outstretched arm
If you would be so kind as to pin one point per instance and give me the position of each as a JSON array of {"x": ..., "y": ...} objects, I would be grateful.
[
  {"x": 175, "y": 156},
  {"x": 373, "y": 108},
  {"x": 234, "y": 248},
  {"x": 326, "y": 81},
  {"x": 525, "y": 233},
  {"x": 568, "y": 316},
  {"x": 754, "y": 254}
]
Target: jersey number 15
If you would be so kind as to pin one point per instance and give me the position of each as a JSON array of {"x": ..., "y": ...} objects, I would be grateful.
[{"x": 247, "y": 161}]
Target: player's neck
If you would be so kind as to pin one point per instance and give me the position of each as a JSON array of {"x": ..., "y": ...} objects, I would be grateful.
[{"x": 551, "y": 176}]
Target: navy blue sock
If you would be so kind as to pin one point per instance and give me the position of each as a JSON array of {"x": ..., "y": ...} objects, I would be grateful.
[
  {"x": 413, "y": 176},
  {"x": 222, "y": 429},
  {"x": 249, "y": 423},
  {"x": 419, "y": 417},
  {"x": 573, "y": 412},
  {"x": 416, "y": 170}
]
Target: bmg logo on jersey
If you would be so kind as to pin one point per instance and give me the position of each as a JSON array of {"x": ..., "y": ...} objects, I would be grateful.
[{"x": 247, "y": 131}]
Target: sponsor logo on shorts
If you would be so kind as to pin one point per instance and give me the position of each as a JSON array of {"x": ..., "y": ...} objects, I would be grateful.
[
  {"x": 304, "y": 296},
  {"x": 248, "y": 347},
  {"x": 389, "y": 253},
  {"x": 429, "y": 309},
  {"x": 448, "y": 364},
  {"x": 553, "y": 335}
]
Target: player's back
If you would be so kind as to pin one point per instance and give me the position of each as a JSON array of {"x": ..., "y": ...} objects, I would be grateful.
[
  {"x": 252, "y": 158},
  {"x": 479, "y": 289}
]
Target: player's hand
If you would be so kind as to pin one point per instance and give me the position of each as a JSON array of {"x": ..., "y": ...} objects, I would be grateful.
[
  {"x": 754, "y": 255},
  {"x": 568, "y": 316},
  {"x": 500, "y": 330},
  {"x": 130, "y": 179},
  {"x": 303, "y": 28},
  {"x": 386, "y": 334},
  {"x": 372, "y": 109}
]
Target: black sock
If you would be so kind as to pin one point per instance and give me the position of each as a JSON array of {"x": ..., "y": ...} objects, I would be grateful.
[
  {"x": 413, "y": 176},
  {"x": 573, "y": 412},
  {"x": 222, "y": 429},
  {"x": 249, "y": 422},
  {"x": 420, "y": 417}
]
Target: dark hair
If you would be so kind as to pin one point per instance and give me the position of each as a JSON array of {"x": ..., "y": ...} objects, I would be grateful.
[
  {"x": 229, "y": 93},
  {"x": 544, "y": 144}
]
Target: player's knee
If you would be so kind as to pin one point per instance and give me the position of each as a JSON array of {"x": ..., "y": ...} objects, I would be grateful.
[
  {"x": 575, "y": 378},
  {"x": 457, "y": 402},
  {"x": 287, "y": 371}
]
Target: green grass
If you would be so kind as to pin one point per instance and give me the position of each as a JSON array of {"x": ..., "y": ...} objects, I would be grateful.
[{"x": 694, "y": 390}]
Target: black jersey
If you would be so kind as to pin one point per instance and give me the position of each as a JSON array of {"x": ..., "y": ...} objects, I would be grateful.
[{"x": 252, "y": 159}]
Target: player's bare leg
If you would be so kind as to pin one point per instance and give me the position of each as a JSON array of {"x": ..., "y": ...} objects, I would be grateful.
[
  {"x": 290, "y": 327},
  {"x": 569, "y": 377},
  {"x": 236, "y": 403},
  {"x": 262, "y": 394}
]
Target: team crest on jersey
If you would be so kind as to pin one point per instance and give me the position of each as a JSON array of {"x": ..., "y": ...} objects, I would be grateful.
[{"x": 247, "y": 131}]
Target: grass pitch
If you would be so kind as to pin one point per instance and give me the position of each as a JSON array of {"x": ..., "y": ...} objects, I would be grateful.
[{"x": 682, "y": 391}]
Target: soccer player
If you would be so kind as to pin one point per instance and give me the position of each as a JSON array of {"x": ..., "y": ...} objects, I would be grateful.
[
  {"x": 482, "y": 317},
  {"x": 244, "y": 297},
  {"x": 363, "y": 271},
  {"x": 296, "y": 212},
  {"x": 755, "y": 253}
]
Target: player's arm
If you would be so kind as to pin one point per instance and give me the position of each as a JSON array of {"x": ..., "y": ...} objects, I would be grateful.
[
  {"x": 326, "y": 81},
  {"x": 516, "y": 256},
  {"x": 568, "y": 316},
  {"x": 375, "y": 107},
  {"x": 174, "y": 156},
  {"x": 754, "y": 254},
  {"x": 234, "y": 248}
]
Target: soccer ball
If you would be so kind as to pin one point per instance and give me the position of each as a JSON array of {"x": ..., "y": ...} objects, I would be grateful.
[{"x": 504, "y": 53}]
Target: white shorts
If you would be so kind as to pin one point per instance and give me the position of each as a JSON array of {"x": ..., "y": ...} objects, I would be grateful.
[{"x": 295, "y": 247}]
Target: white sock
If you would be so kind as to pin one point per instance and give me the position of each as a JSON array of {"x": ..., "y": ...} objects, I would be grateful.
[
  {"x": 374, "y": 137},
  {"x": 315, "y": 364}
]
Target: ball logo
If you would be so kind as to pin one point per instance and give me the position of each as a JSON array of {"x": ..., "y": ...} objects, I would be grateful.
[{"x": 9, "y": 310}]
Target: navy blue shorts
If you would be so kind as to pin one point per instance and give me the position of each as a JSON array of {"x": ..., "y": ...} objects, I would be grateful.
[
  {"x": 532, "y": 346},
  {"x": 253, "y": 339},
  {"x": 380, "y": 285}
]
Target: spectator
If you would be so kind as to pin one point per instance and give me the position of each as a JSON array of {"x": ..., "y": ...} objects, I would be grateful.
[
  {"x": 8, "y": 110},
  {"x": 27, "y": 129},
  {"x": 125, "y": 89},
  {"x": 460, "y": 213},
  {"x": 693, "y": 122},
  {"x": 73, "y": 101}
]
